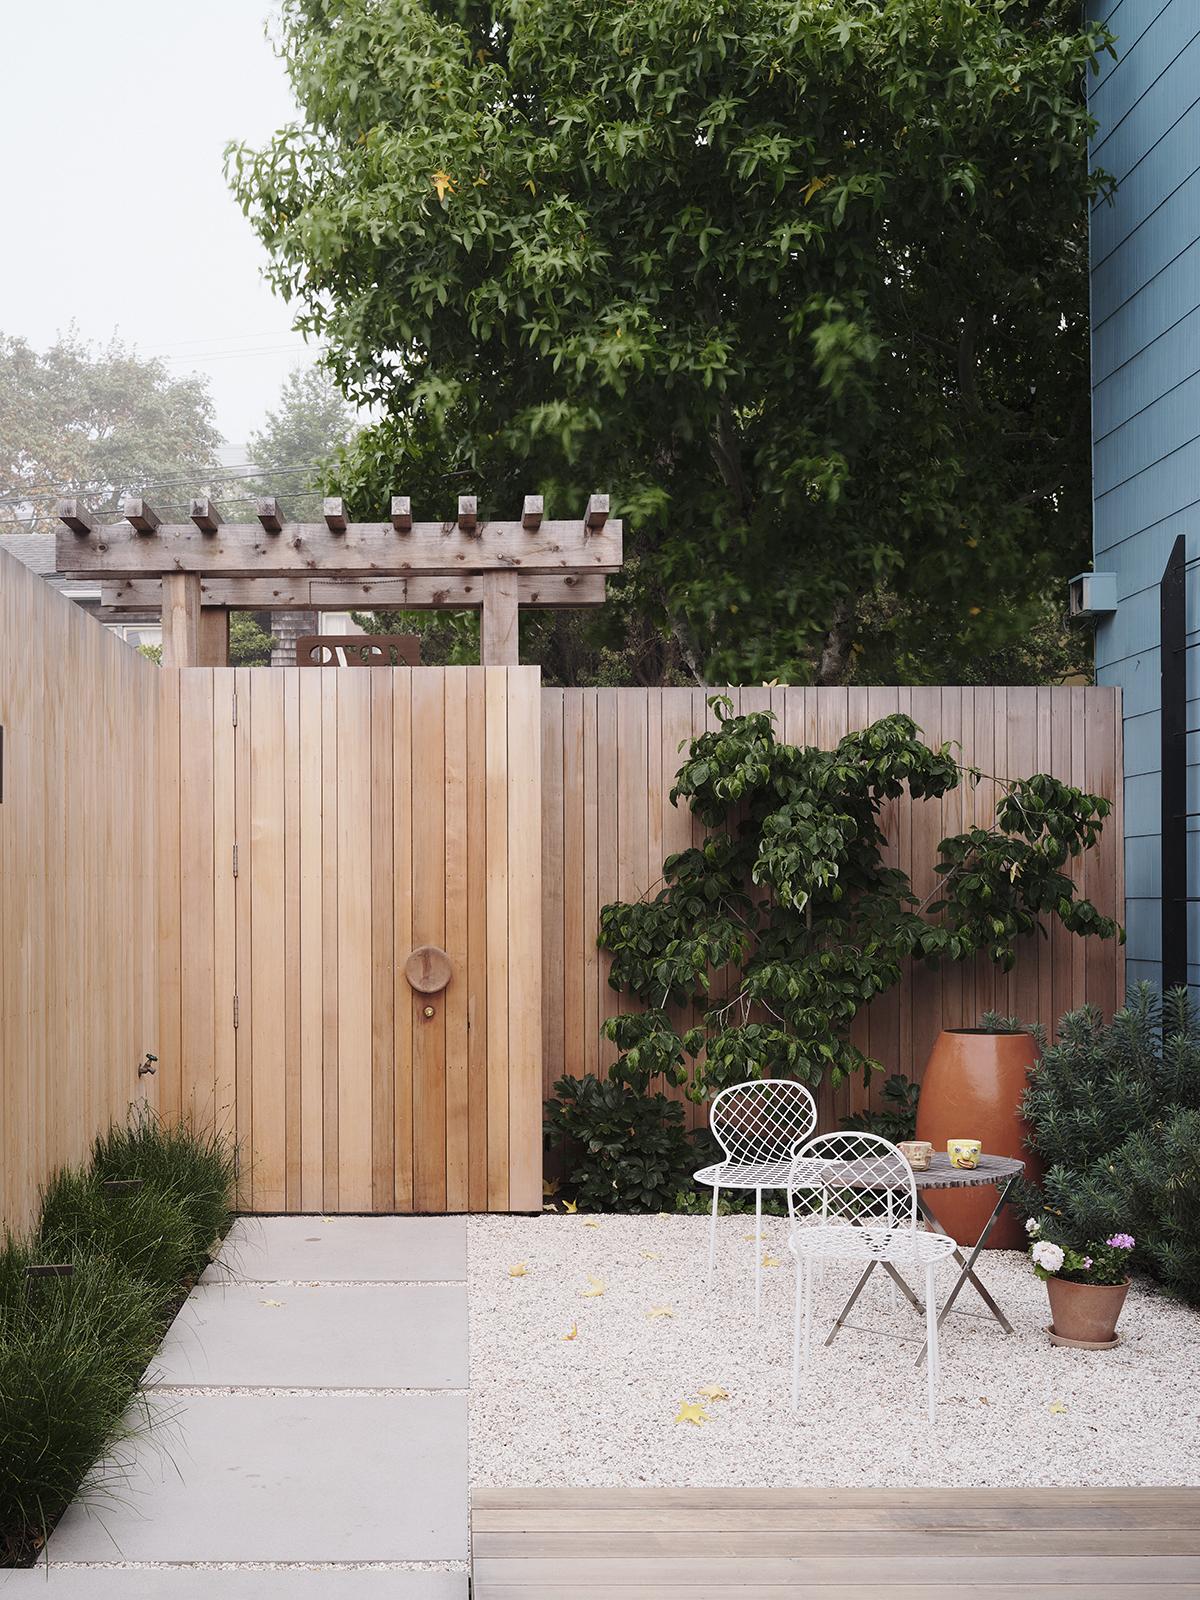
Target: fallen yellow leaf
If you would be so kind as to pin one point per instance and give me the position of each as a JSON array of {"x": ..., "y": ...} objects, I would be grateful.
[
  {"x": 771, "y": 1261},
  {"x": 574, "y": 1333},
  {"x": 519, "y": 1271},
  {"x": 570, "y": 1207},
  {"x": 1057, "y": 1407},
  {"x": 590, "y": 1222},
  {"x": 649, "y": 1255},
  {"x": 660, "y": 1311},
  {"x": 713, "y": 1391},
  {"x": 596, "y": 1289},
  {"x": 272, "y": 1302},
  {"x": 549, "y": 1186},
  {"x": 691, "y": 1411}
]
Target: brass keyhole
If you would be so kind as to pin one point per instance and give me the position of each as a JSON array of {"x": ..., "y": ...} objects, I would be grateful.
[{"x": 428, "y": 1011}]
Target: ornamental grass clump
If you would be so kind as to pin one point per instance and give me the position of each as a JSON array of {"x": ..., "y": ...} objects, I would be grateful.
[
  {"x": 73, "y": 1347},
  {"x": 191, "y": 1166},
  {"x": 71, "y": 1352}
]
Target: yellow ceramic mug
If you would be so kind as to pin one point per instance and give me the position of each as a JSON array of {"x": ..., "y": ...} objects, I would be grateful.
[{"x": 963, "y": 1152}]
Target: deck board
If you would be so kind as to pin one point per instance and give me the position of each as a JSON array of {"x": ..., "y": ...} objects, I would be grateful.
[{"x": 831, "y": 1544}]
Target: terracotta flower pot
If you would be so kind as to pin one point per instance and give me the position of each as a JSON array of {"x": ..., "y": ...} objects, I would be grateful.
[
  {"x": 972, "y": 1089},
  {"x": 1086, "y": 1313}
]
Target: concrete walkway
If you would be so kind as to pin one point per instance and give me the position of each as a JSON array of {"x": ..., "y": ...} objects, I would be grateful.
[{"x": 312, "y": 1439}]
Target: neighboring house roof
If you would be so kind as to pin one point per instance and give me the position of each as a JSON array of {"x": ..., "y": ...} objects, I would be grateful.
[{"x": 37, "y": 552}]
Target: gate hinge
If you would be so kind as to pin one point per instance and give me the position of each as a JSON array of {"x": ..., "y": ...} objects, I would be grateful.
[
  {"x": 235, "y": 708},
  {"x": 235, "y": 1009},
  {"x": 235, "y": 861}
]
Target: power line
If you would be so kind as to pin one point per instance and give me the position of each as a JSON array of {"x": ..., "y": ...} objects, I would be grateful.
[{"x": 44, "y": 492}]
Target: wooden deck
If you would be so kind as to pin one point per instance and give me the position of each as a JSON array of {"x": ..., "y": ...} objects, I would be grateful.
[{"x": 835, "y": 1544}]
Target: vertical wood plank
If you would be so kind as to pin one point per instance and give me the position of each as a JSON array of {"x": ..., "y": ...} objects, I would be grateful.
[
  {"x": 224, "y": 905},
  {"x": 312, "y": 951},
  {"x": 330, "y": 973},
  {"x": 383, "y": 952},
  {"x": 267, "y": 941},
  {"x": 402, "y": 922},
  {"x": 524, "y": 941},
  {"x": 496, "y": 744},
  {"x": 292, "y": 946},
  {"x": 457, "y": 995},
  {"x": 354, "y": 940},
  {"x": 429, "y": 927},
  {"x": 477, "y": 941}
]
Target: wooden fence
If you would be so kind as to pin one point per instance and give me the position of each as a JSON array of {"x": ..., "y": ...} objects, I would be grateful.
[
  {"x": 317, "y": 827},
  {"x": 608, "y": 760},
  {"x": 78, "y": 848},
  {"x": 230, "y": 867}
]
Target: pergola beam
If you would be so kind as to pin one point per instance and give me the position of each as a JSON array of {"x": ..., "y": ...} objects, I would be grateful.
[
  {"x": 365, "y": 549},
  {"x": 206, "y": 516},
  {"x": 140, "y": 514},
  {"x": 426, "y": 592},
  {"x": 270, "y": 514}
]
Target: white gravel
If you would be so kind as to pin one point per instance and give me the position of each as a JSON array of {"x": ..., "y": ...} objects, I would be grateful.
[{"x": 600, "y": 1408}]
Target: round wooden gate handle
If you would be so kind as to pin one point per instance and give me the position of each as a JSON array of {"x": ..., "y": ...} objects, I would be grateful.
[{"x": 428, "y": 969}]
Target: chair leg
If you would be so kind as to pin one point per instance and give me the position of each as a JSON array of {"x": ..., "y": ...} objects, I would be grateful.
[
  {"x": 758, "y": 1251},
  {"x": 809, "y": 1268},
  {"x": 801, "y": 1273},
  {"x": 931, "y": 1337},
  {"x": 712, "y": 1235}
]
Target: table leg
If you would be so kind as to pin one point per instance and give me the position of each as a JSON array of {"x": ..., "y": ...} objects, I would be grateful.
[{"x": 967, "y": 1263}]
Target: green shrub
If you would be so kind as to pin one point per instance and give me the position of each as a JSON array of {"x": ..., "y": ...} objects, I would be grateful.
[
  {"x": 71, "y": 1352},
  {"x": 1114, "y": 1111},
  {"x": 145, "y": 1232},
  {"x": 194, "y": 1168},
  {"x": 625, "y": 1149},
  {"x": 896, "y": 1118}
]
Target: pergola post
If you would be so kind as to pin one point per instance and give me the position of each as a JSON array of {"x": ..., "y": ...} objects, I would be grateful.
[
  {"x": 498, "y": 620},
  {"x": 213, "y": 637},
  {"x": 181, "y": 619}
]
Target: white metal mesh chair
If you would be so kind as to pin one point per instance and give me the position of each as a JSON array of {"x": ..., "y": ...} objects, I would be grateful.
[
  {"x": 758, "y": 1125},
  {"x": 852, "y": 1197}
]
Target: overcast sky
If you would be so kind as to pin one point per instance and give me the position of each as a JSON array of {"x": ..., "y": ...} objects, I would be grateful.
[{"x": 113, "y": 118}]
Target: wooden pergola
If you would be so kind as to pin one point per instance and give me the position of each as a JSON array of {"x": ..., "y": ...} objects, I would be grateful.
[{"x": 200, "y": 570}]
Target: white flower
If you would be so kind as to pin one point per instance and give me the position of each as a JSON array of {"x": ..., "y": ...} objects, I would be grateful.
[
  {"x": 1047, "y": 1256},
  {"x": 1032, "y": 1225}
]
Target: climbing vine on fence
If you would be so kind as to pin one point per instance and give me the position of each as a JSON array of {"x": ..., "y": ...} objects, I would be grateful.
[{"x": 787, "y": 920}]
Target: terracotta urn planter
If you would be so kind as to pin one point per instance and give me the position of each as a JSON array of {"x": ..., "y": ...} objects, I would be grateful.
[
  {"x": 1085, "y": 1314},
  {"x": 972, "y": 1089}
]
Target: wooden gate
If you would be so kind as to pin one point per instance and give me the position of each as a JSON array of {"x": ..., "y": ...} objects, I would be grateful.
[{"x": 317, "y": 828}]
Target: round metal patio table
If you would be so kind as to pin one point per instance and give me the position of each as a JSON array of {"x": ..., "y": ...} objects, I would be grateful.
[{"x": 1000, "y": 1171}]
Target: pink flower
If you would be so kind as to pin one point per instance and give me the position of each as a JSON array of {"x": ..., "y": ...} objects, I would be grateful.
[
  {"x": 1087, "y": 1263},
  {"x": 1121, "y": 1241}
]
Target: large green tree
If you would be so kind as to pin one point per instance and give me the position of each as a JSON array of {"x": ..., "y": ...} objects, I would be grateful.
[
  {"x": 803, "y": 282},
  {"x": 100, "y": 422}
]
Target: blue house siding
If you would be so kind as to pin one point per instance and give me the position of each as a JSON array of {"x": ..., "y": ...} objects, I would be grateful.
[{"x": 1145, "y": 250}]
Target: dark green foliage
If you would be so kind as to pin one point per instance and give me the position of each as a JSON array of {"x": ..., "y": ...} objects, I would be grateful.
[
  {"x": 1115, "y": 1114},
  {"x": 72, "y": 1349},
  {"x": 789, "y": 908},
  {"x": 803, "y": 286},
  {"x": 897, "y": 1118},
  {"x": 192, "y": 1167},
  {"x": 626, "y": 1150}
]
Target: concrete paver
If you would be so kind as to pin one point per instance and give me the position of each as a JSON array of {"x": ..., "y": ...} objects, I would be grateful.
[
  {"x": 351, "y": 1337},
  {"x": 343, "y": 1250},
  {"x": 294, "y": 1478}
]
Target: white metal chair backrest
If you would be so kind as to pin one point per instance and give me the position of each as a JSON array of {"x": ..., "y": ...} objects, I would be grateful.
[
  {"x": 852, "y": 1178},
  {"x": 763, "y": 1119}
]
